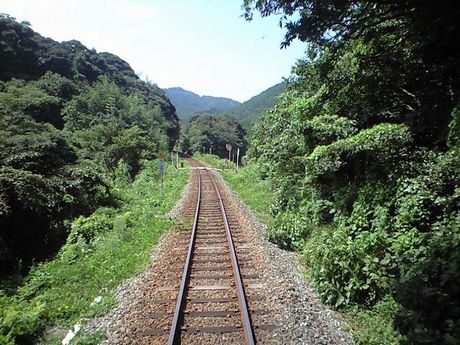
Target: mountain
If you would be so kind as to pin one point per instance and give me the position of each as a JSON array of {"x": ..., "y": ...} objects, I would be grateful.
[
  {"x": 247, "y": 113},
  {"x": 188, "y": 103},
  {"x": 25, "y": 54},
  {"x": 72, "y": 122}
]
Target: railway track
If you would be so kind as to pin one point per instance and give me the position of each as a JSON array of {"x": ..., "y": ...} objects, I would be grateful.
[{"x": 212, "y": 303}]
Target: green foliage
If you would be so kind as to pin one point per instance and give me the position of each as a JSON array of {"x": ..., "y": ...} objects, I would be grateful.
[
  {"x": 325, "y": 129},
  {"x": 102, "y": 101},
  {"x": 206, "y": 131},
  {"x": 371, "y": 190},
  {"x": 255, "y": 192},
  {"x": 27, "y": 98},
  {"x": 348, "y": 268},
  {"x": 88, "y": 228},
  {"x": 103, "y": 250},
  {"x": 374, "y": 326},
  {"x": 35, "y": 210},
  {"x": 454, "y": 129},
  {"x": 289, "y": 230},
  {"x": 379, "y": 146},
  {"x": 71, "y": 120},
  {"x": 38, "y": 148}
]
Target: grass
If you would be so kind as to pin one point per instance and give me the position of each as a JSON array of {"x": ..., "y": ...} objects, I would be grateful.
[
  {"x": 212, "y": 160},
  {"x": 373, "y": 326},
  {"x": 254, "y": 191},
  {"x": 60, "y": 292}
]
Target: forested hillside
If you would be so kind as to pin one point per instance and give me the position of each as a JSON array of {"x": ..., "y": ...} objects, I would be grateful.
[
  {"x": 210, "y": 133},
  {"x": 71, "y": 121},
  {"x": 363, "y": 150},
  {"x": 248, "y": 112},
  {"x": 189, "y": 104}
]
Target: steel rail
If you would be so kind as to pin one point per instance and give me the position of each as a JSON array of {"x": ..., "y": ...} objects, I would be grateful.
[
  {"x": 174, "y": 334},
  {"x": 247, "y": 324}
]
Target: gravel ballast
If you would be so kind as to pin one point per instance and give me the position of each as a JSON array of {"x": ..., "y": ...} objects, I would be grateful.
[{"x": 292, "y": 304}]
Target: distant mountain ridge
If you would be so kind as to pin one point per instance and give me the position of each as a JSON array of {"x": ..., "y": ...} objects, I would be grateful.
[
  {"x": 188, "y": 103},
  {"x": 248, "y": 112}
]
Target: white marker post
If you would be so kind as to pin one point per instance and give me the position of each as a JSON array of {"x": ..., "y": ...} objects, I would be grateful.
[
  {"x": 162, "y": 171},
  {"x": 229, "y": 149},
  {"x": 237, "y": 158},
  {"x": 162, "y": 155}
]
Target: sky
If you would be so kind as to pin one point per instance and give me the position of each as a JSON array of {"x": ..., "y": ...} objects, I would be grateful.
[{"x": 204, "y": 46}]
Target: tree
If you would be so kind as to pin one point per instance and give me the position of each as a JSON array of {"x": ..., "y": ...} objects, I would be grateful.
[
  {"x": 362, "y": 150},
  {"x": 208, "y": 131}
]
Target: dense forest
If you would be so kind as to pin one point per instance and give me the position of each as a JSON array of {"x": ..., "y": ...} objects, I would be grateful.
[
  {"x": 71, "y": 121},
  {"x": 363, "y": 150},
  {"x": 210, "y": 133}
]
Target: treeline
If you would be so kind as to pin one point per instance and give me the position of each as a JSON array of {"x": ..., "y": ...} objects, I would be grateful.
[
  {"x": 363, "y": 149},
  {"x": 71, "y": 121},
  {"x": 210, "y": 133}
]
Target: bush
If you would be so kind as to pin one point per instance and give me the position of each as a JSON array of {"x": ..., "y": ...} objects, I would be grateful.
[
  {"x": 88, "y": 228},
  {"x": 289, "y": 230},
  {"x": 379, "y": 146},
  {"x": 325, "y": 129},
  {"x": 348, "y": 269},
  {"x": 375, "y": 326},
  {"x": 61, "y": 291}
]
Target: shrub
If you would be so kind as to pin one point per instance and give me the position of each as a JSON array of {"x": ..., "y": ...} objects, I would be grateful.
[
  {"x": 346, "y": 268},
  {"x": 378, "y": 146},
  {"x": 375, "y": 326},
  {"x": 289, "y": 230},
  {"x": 87, "y": 228}
]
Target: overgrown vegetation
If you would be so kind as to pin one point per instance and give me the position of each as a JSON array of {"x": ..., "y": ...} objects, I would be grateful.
[
  {"x": 363, "y": 152},
  {"x": 101, "y": 251},
  {"x": 207, "y": 133},
  {"x": 71, "y": 120},
  {"x": 80, "y": 202}
]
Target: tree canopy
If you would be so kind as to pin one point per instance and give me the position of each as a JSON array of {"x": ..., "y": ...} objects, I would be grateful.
[
  {"x": 362, "y": 149},
  {"x": 208, "y": 132},
  {"x": 71, "y": 121}
]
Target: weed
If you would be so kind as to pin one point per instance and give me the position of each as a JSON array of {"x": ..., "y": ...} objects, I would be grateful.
[{"x": 108, "y": 247}]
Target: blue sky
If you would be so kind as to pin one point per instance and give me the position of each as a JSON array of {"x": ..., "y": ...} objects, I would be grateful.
[{"x": 201, "y": 45}]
